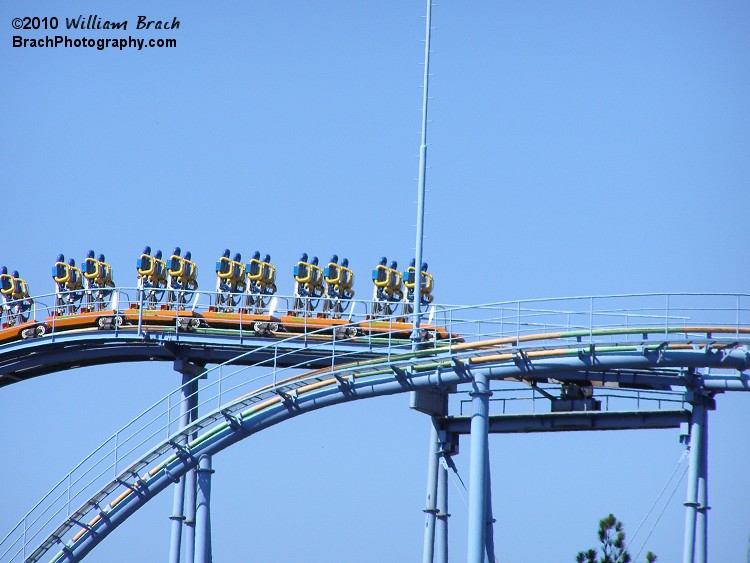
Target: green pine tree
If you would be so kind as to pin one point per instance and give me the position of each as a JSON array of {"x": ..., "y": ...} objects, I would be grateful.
[{"x": 611, "y": 534}]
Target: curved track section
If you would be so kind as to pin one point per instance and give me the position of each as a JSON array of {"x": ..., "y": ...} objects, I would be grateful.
[
  {"x": 50, "y": 341},
  {"x": 161, "y": 465},
  {"x": 102, "y": 491},
  {"x": 39, "y": 356}
]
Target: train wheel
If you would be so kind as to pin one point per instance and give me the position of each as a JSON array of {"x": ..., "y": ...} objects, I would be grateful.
[
  {"x": 344, "y": 332},
  {"x": 352, "y": 332},
  {"x": 27, "y": 333},
  {"x": 41, "y": 329},
  {"x": 119, "y": 321},
  {"x": 195, "y": 323},
  {"x": 265, "y": 328},
  {"x": 426, "y": 335}
]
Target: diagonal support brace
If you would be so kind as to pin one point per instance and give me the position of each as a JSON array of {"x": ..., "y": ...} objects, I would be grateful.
[
  {"x": 289, "y": 399},
  {"x": 401, "y": 374},
  {"x": 82, "y": 525},
  {"x": 235, "y": 422},
  {"x": 344, "y": 383},
  {"x": 181, "y": 451}
]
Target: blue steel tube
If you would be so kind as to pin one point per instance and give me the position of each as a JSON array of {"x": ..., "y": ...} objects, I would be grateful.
[
  {"x": 432, "y": 466},
  {"x": 441, "y": 526},
  {"x": 701, "y": 550},
  {"x": 190, "y": 485},
  {"x": 422, "y": 179},
  {"x": 489, "y": 532},
  {"x": 478, "y": 468},
  {"x": 175, "y": 541},
  {"x": 203, "y": 511},
  {"x": 431, "y": 505},
  {"x": 691, "y": 503}
]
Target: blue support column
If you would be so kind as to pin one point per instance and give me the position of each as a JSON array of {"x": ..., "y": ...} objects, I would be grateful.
[
  {"x": 190, "y": 486},
  {"x": 190, "y": 489},
  {"x": 203, "y": 511},
  {"x": 489, "y": 532},
  {"x": 441, "y": 525},
  {"x": 177, "y": 517},
  {"x": 691, "y": 503},
  {"x": 430, "y": 509},
  {"x": 478, "y": 468},
  {"x": 701, "y": 524},
  {"x": 175, "y": 539}
]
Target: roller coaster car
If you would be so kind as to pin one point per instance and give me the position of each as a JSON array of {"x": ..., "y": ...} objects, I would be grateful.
[
  {"x": 387, "y": 278},
  {"x": 399, "y": 329},
  {"x": 105, "y": 320},
  {"x": 262, "y": 325},
  {"x": 320, "y": 323},
  {"x": 23, "y": 331},
  {"x": 409, "y": 278},
  {"x": 183, "y": 271},
  {"x": 261, "y": 277},
  {"x": 165, "y": 317},
  {"x": 340, "y": 280},
  {"x": 152, "y": 271},
  {"x": 231, "y": 274},
  {"x": 67, "y": 277},
  {"x": 97, "y": 272},
  {"x": 309, "y": 278},
  {"x": 388, "y": 284}
]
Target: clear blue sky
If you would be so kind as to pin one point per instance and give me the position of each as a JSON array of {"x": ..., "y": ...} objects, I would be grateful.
[{"x": 576, "y": 148}]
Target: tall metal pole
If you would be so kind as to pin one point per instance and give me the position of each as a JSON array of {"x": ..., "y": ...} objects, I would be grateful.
[
  {"x": 203, "y": 511},
  {"x": 489, "y": 526},
  {"x": 190, "y": 489},
  {"x": 701, "y": 524},
  {"x": 179, "y": 489},
  {"x": 441, "y": 526},
  {"x": 691, "y": 503},
  {"x": 430, "y": 509},
  {"x": 422, "y": 177},
  {"x": 478, "y": 468},
  {"x": 432, "y": 465}
]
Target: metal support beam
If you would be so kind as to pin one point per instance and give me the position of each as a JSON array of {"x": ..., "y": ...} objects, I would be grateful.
[
  {"x": 203, "y": 511},
  {"x": 190, "y": 488},
  {"x": 421, "y": 183},
  {"x": 701, "y": 523},
  {"x": 478, "y": 468},
  {"x": 691, "y": 503},
  {"x": 175, "y": 541},
  {"x": 489, "y": 533},
  {"x": 432, "y": 466},
  {"x": 569, "y": 421},
  {"x": 190, "y": 485},
  {"x": 441, "y": 526},
  {"x": 430, "y": 509}
]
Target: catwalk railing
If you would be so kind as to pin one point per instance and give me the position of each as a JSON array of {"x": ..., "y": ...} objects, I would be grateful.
[
  {"x": 102, "y": 477},
  {"x": 580, "y": 316}
]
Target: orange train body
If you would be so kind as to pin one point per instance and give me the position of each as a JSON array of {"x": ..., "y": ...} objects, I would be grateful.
[
  {"x": 16, "y": 332},
  {"x": 185, "y": 320}
]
